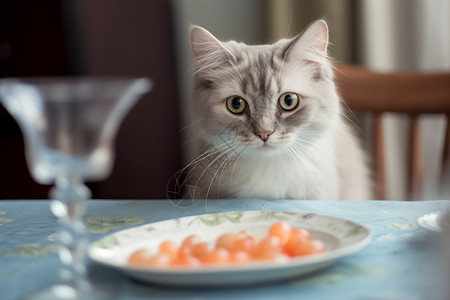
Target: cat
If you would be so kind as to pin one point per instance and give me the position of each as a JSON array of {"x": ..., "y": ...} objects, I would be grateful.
[{"x": 272, "y": 122}]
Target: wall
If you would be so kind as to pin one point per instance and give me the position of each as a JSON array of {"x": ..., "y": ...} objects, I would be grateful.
[{"x": 135, "y": 38}]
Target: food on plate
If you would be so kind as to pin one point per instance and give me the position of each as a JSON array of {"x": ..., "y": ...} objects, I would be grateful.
[{"x": 281, "y": 243}]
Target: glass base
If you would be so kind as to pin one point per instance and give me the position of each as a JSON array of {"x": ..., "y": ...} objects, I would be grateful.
[{"x": 67, "y": 292}]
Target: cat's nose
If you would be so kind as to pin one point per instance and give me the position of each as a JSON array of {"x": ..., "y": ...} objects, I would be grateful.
[{"x": 264, "y": 136}]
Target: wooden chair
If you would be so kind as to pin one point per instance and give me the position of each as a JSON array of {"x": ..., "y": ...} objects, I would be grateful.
[{"x": 410, "y": 93}]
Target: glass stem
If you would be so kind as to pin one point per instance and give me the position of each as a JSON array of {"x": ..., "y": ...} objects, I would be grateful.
[{"x": 68, "y": 205}]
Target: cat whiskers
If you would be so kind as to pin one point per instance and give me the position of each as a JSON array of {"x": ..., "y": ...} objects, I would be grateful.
[
  {"x": 188, "y": 140},
  {"x": 351, "y": 117},
  {"x": 226, "y": 148},
  {"x": 309, "y": 144},
  {"x": 188, "y": 127},
  {"x": 191, "y": 166},
  {"x": 234, "y": 156}
]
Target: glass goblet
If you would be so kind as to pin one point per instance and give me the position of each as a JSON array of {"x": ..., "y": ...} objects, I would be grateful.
[{"x": 69, "y": 125}]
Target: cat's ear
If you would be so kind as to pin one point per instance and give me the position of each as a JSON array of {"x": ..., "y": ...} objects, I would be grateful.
[
  {"x": 311, "y": 45},
  {"x": 207, "y": 49}
]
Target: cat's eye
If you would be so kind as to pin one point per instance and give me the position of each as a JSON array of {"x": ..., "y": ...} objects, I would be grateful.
[
  {"x": 236, "y": 105},
  {"x": 288, "y": 101}
]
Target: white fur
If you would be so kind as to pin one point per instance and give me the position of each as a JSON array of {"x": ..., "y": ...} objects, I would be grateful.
[{"x": 319, "y": 159}]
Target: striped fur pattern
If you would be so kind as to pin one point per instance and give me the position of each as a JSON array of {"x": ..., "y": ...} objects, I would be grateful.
[{"x": 267, "y": 151}]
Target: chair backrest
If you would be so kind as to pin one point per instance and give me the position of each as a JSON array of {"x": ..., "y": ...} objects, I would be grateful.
[{"x": 411, "y": 93}]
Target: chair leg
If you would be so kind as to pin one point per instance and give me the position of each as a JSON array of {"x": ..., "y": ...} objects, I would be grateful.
[
  {"x": 378, "y": 146},
  {"x": 445, "y": 171},
  {"x": 415, "y": 174}
]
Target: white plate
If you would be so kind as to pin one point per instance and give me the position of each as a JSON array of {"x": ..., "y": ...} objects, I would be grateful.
[{"x": 341, "y": 237}]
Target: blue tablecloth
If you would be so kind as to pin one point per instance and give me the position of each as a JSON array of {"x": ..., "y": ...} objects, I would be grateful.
[{"x": 398, "y": 264}]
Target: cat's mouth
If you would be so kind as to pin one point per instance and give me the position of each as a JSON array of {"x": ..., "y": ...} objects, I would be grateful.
[
  {"x": 262, "y": 147},
  {"x": 265, "y": 146}
]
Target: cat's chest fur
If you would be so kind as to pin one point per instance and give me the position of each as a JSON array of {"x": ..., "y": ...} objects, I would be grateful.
[{"x": 277, "y": 176}]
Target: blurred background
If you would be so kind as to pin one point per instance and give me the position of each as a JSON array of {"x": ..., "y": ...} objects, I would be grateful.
[{"x": 151, "y": 38}]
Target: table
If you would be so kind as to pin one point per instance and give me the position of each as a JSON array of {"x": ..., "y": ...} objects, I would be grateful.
[{"x": 398, "y": 264}]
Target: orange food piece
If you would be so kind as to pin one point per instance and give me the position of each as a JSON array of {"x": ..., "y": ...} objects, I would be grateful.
[
  {"x": 296, "y": 237},
  {"x": 190, "y": 241},
  {"x": 216, "y": 256},
  {"x": 159, "y": 260},
  {"x": 184, "y": 251},
  {"x": 144, "y": 257},
  {"x": 186, "y": 261},
  {"x": 246, "y": 244},
  {"x": 268, "y": 246},
  {"x": 227, "y": 240},
  {"x": 239, "y": 257},
  {"x": 299, "y": 233},
  {"x": 200, "y": 250},
  {"x": 140, "y": 257},
  {"x": 309, "y": 247},
  {"x": 282, "y": 230},
  {"x": 169, "y": 248}
]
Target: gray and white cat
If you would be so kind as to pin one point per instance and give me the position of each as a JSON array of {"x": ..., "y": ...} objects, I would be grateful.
[{"x": 272, "y": 121}]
